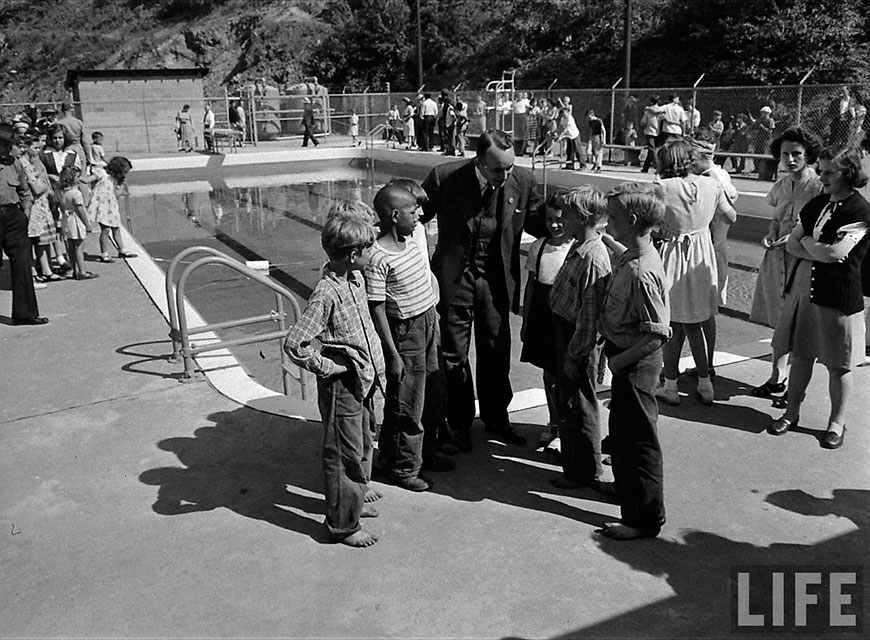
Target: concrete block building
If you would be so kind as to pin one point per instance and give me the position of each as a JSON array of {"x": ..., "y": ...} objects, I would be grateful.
[{"x": 135, "y": 108}]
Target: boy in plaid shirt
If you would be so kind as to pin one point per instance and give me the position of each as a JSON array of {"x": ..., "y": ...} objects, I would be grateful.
[
  {"x": 349, "y": 366},
  {"x": 635, "y": 321},
  {"x": 575, "y": 300}
]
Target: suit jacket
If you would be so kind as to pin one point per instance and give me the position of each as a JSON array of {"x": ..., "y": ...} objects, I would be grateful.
[{"x": 454, "y": 197}]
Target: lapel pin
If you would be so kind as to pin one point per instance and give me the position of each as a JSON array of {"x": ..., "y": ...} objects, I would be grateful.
[{"x": 511, "y": 200}]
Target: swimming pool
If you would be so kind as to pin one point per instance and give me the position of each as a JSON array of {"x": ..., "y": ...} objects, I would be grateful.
[{"x": 274, "y": 215}]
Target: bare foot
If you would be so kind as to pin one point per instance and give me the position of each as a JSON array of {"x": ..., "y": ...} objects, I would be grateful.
[
  {"x": 619, "y": 531},
  {"x": 360, "y": 539},
  {"x": 368, "y": 511},
  {"x": 372, "y": 495}
]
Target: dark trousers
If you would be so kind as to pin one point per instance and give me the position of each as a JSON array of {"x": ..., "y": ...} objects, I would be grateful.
[
  {"x": 348, "y": 418},
  {"x": 650, "y": 153},
  {"x": 475, "y": 305},
  {"x": 308, "y": 135},
  {"x": 574, "y": 148},
  {"x": 17, "y": 246},
  {"x": 636, "y": 453},
  {"x": 427, "y": 133},
  {"x": 401, "y": 439},
  {"x": 579, "y": 417},
  {"x": 433, "y": 419}
]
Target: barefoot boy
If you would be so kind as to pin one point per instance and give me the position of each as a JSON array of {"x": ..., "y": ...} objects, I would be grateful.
[
  {"x": 576, "y": 299},
  {"x": 402, "y": 302},
  {"x": 635, "y": 321},
  {"x": 349, "y": 365}
]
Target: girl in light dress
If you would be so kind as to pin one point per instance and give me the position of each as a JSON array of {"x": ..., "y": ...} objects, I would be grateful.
[
  {"x": 76, "y": 225},
  {"x": 797, "y": 150},
  {"x": 41, "y": 228},
  {"x": 691, "y": 202},
  {"x": 103, "y": 207},
  {"x": 354, "y": 128},
  {"x": 538, "y": 333}
]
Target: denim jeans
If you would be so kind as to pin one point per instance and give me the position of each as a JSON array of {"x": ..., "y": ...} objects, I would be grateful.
[
  {"x": 347, "y": 450},
  {"x": 636, "y": 452},
  {"x": 401, "y": 439},
  {"x": 579, "y": 414}
]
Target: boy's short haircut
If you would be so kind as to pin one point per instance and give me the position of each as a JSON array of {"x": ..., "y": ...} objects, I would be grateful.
[
  {"x": 390, "y": 197},
  {"x": 644, "y": 200},
  {"x": 587, "y": 202},
  {"x": 341, "y": 234},
  {"x": 414, "y": 187},
  {"x": 96, "y": 134},
  {"x": 352, "y": 209},
  {"x": 717, "y": 113}
]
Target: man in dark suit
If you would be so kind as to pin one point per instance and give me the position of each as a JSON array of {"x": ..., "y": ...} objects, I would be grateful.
[{"x": 482, "y": 206}]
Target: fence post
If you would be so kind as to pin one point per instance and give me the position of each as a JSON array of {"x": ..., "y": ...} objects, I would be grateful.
[
  {"x": 253, "y": 102},
  {"x": 550, "y": 88},
  {"x": 800, "y": 96},
  {"x": 368, "y": 125},
  {"x": 613, "y": 106},
  {"x": 695, "y": 100}
]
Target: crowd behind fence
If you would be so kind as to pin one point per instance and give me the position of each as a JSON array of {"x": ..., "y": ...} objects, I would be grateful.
[{"x": 279, "y": 115}]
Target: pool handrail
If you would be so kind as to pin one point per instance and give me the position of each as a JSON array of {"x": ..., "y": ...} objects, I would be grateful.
[{"x": 180, "y": 333}]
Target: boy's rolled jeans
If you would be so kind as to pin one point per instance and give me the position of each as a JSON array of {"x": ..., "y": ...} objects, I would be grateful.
[
  {"x": 347, "y": 418},
  {"x": 401, "y": 439},
  {"x": 579, "y": 414}
]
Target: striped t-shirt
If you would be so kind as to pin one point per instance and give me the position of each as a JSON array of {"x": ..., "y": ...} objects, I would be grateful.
[{"x": 402, "y": 279}]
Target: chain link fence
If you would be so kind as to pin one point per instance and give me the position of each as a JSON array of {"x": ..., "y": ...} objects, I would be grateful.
[{"x": 279, "y": 116}]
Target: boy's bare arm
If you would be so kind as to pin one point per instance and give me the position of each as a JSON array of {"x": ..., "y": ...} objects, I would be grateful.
[{"x": 395, "y": 366}]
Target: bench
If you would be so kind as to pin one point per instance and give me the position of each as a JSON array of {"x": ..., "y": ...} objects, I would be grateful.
[{"x": 222, "y": 137}]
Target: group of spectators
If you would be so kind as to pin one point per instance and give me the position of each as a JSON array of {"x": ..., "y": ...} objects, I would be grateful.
[
  {"x": 56, "y": 185},
  {"x": 421, "y": 122},
  {"x": 185, "y": 133}
]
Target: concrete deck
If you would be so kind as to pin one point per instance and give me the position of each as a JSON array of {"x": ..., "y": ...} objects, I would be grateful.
[{"x": 133, "y": 505}]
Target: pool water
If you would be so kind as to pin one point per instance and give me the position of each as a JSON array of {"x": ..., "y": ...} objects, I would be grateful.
[{"x": 275, "y": 217}]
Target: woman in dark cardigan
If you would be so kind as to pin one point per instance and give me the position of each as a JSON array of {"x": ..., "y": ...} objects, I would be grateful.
[{"x": 823, "y": 306}]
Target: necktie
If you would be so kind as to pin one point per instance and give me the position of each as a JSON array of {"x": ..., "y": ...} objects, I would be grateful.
[{"x": 488, "y": 193}]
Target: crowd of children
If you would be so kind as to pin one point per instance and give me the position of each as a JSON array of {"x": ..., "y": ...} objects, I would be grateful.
[
  {"x": 73, "y": 189},
  {"x": 374, "y": 316}
]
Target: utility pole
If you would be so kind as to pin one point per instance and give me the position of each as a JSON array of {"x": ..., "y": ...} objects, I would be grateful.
[
  {"x": 419, "y": 46},
  {"x": 627, "y": 37}
]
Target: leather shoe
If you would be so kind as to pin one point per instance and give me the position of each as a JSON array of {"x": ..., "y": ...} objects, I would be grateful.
[
  {"x": 507, "y": 432},
  {"x": 36, "y": 320},
  {"x": 780, "y": 426},
  {"x": 416, "y": 484},
  {"x": 463, "y": 441},
  {"x": 437, "y": 462},
  {"x": 833, "y": 440}
]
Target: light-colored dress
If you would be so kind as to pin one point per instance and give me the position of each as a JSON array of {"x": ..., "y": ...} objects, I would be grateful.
[
  {"x": 73, "y": 227},
  {"x": 687, "y": 255},
  {"x": 185, "y": 127},
  {"x": 788, "y": 196},
  {"x": 103, "y": 206},
  {"x": 41, "y": 223}
]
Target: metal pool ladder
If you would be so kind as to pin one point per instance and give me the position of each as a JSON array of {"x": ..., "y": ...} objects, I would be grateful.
[{"x": 180, "y": 332}]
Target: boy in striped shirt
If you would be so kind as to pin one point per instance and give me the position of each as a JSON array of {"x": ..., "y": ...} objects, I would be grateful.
[{"x": 402, "y": 304}]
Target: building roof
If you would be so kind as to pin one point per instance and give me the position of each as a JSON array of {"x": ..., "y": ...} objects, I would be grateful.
[{"x": 75, "y": 75}]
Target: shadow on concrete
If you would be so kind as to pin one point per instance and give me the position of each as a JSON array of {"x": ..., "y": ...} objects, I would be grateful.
[
  {"x": 516, "y": 476},
  {"x": 699, "y": 571},
  {"x": 153, "y": 359},
  {"x": 723, "y": 414},
  {"x": 258, "y": 466}
]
